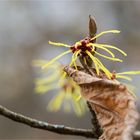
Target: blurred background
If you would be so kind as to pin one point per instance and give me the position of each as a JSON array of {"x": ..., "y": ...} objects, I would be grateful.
[{"x": 26, "y": 26}]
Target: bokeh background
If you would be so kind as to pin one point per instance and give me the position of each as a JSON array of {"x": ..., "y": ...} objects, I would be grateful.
[{"x": 26, "y": 26}]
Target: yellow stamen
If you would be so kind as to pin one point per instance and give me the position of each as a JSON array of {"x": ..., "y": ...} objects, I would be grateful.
[
  {"x": 53, "y": 60},
  {"x": 112, "y": 47},
  {"x": 113, "y": 59},
  {"x": 59, "y": 44},
  {"x": 105, "y": 32}
]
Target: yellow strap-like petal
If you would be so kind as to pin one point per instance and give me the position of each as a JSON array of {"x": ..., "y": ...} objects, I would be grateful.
[
  {"x": 105, "y": 32},
  {"x": 77, "y": 109},
  {"x": 78, "y": 98},
  {"x": 93, "y": 59},
  {"x": 106, "y": 71},
  {"x": 101, "y": 47},
  {"x": 130, "y": 72},
  {"x": 131, "y": 89},
  {"x": 74, "y": 58},
  {"x": 53, "y": 60},
  {"x": 113, "y": 59},
  {"x": 59, "y": 44},
  {"x": 44, "y": 89},
  {"x": 39, "y": 63},
  {"x": 56, "y": 102},
  {"x": 73, "y": 61},
  {"x": 68, "y": 93},
  {"x": 49, "y": 79},
  {"x": 112, "y": 47},
  {"x": 85, "y": 61},
  {"x": 123, "y": 77},
  {"x": 63, "y": 75}
]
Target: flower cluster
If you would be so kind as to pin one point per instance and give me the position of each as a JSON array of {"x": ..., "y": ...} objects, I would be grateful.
[
  {"x": 69, "y": 95},
  {"x": 86, "y": 49},
  {"x": 69, "y": 91}
]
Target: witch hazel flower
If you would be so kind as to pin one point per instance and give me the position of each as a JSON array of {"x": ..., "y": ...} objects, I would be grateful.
[
  {"x": 86, "y": 48},
  {"x": 68, "y": 96}
]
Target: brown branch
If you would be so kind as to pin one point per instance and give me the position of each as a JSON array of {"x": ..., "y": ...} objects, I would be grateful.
[{"x": 60, "y": 129}]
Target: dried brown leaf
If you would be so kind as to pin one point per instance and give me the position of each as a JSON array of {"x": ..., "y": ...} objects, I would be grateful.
[{"x": 113, "y": 104}]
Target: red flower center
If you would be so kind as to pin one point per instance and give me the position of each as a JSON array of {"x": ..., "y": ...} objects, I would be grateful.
[{"x": 82, "y": 46}]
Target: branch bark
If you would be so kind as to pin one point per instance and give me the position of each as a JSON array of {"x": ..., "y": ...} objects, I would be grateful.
[{"x": 60, "y": 129}]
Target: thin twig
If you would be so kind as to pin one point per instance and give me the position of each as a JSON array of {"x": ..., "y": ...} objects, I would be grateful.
[{"x": 60, "y": 129}]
